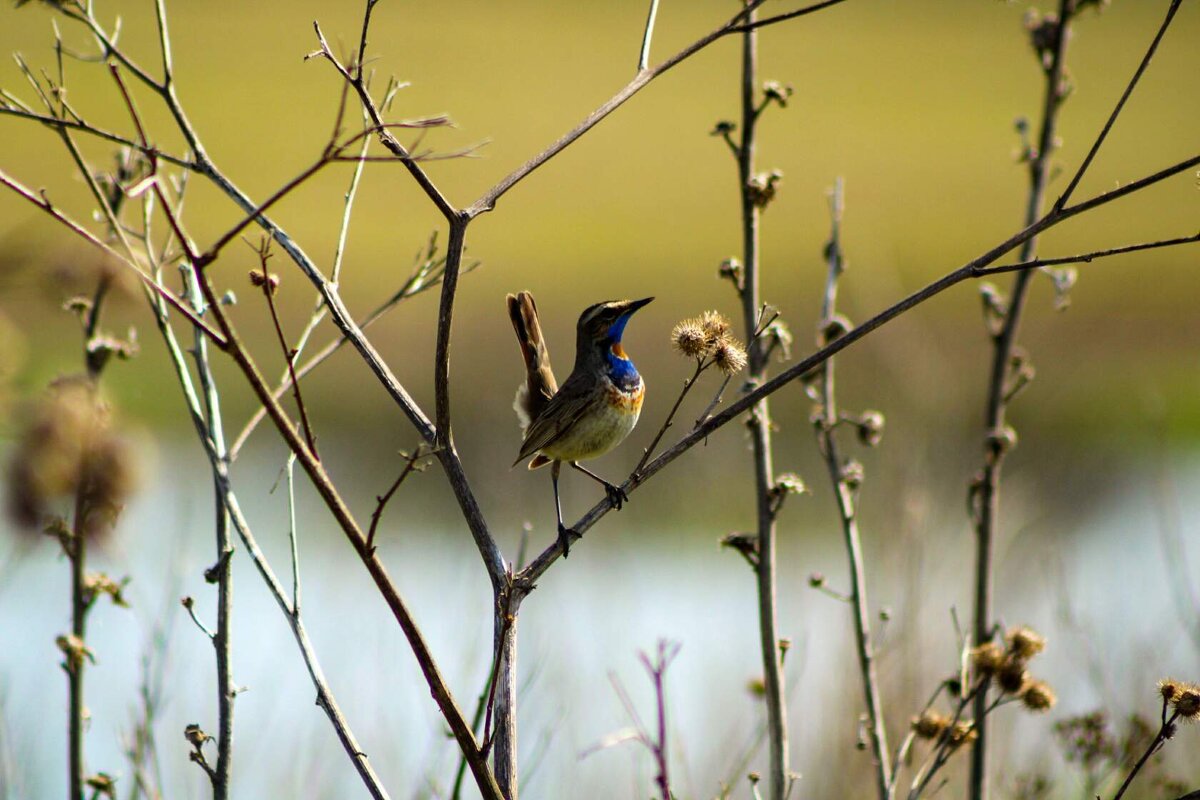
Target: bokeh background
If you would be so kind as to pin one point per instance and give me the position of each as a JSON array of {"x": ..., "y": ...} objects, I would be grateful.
[{"x": 913, "y": 104}]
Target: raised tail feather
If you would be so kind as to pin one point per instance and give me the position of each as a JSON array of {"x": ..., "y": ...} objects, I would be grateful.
[{"x": 539, "y": 385}]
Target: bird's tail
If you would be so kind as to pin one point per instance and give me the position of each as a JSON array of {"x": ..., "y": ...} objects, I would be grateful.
[{"x": 539, "y": 384}]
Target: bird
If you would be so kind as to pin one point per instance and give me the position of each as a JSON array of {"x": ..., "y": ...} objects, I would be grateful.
[{"x": 596, "y": 407}]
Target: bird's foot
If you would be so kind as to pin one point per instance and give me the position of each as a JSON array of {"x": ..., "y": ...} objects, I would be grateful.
[
  {"x": 616, "y": 495},
  {"x": 564, "y": 538}
]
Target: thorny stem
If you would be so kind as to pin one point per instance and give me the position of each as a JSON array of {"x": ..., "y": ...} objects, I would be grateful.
[
  {"x": 760, "y": 431},
  {"x": 845, "y": 496},
  {"x": 987, "y": 514}
]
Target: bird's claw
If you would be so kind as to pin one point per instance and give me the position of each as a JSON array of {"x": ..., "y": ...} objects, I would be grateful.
[
  {"x": 616, "y": 495},
  {"x": 564, "y": 538}
]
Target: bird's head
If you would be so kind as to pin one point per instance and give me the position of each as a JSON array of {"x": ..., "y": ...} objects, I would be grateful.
[{"x": 601, "y": 326}]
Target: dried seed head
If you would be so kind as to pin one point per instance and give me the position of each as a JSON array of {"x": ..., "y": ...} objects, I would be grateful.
[
  {"x": 1024, "y": 642},
  {"x": 195, "y": 735},
  {"x": 1169, "y": 688},
  {"x": 723, "y": 128},
  {"x": 730, "y": 356},
  {"x": 688, "y": 338},
  {"x": 69, "y": 448},
  {"x": 853, "y": 473},
  {"x": 1038, "y": 696},
  {"x": 835, "y": 327},
  {"x": 1013, "y": 677},
  {"x": 930, "y": 724},
  {"x": 259, "y": 278},
  {"x": 1187, "y": 702},
  {"x": 715, "y": 325},
  {"x": 987, "y": 658},
  {"x": 962, "y": 733},
  {"x": 870, "y": 428}
]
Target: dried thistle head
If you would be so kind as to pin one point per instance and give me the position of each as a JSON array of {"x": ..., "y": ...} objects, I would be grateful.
[
  {"x": 1024, "y": 642},
  {"x": 1038, "y": 696},
  {"x": 730, "y": 356},
  {"x": 1012, "y": 677},
  {"x": 689, "y": 339},
  {"x": 962, "y": 733},
  {"x": 715, "y": 325},
  {"x": 987, "y": 658},
  {"x": 930, "y": 724},
  {"x": 69, "y": 448},
  {"x": 1169, "y": 688},
  {"x": 1187, "y": 701}
]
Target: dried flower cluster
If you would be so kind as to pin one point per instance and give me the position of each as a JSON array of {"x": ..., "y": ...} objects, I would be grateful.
[
  {"x": 934, "y": 725},
  {"x": 70, "y": 449},
  {"x": 708, "y": 336},
  {"x": 1008, "y": 667},
  {"x": 1183, "y": 697}
]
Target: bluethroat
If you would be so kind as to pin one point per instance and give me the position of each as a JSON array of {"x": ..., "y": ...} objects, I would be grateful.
[{"x": 596, "y": 407}]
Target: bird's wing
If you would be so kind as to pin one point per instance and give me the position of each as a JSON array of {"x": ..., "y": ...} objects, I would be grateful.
[{"x": 558, "y": 417}]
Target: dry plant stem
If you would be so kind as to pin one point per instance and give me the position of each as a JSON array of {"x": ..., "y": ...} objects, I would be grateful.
[
  {"x": 1168, "y": 725},
  {"x": 410, "y": 464},
  {"x": 333, "y": 500},
  {"x": 687, "y": 386},
  {"x": 760, "y": 433},
  {"x": 226, "y": 691},
  {"x": 220, "y": 468},
  {"x": 289, "y": 354},
  {"x": 487, "y": 201},
  {"x": 75, "y": 666},
  {"x": 844, "y": 495},
  {"x": 972, "y": 269},
  {"x": 989, "y": 486}
]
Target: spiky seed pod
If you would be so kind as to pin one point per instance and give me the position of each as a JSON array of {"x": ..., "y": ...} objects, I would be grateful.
[
  {"x": 1187, "y": 702},
  {"x": 1038, "y": 696},
  {"x": 1012, "y": 677},
  {"x": 688, "y": 338},
  {"x": 930, "y": 724},
  {"x": 1169, "y": 688},
  {"x": 1024, "y": 642},
  {"x": 962, "y": 733},
  {"x": 715, "y": 325},
  {"x": 987, "y": 658},
  {"x": 730, "y": 356}
]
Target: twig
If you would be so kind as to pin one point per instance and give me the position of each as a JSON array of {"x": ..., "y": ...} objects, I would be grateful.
[
  {"x": 487, "y": 201},
  {"x": 701, "y": 365},
  {"x": 269, "y": 284},
  {"x": 644, "y": 55},
  {"x": 844, "y": 494},
  {"x": 760, "y": 428},
  {"x": 221, "y": 475},
  {"x": 1086, "y": 258},
  {"x": 1164, "y": 731},
  {"x": 1112, "y": 118},
  {"x": 410, "y": 461},
  {"x": 989, "y": 485}
]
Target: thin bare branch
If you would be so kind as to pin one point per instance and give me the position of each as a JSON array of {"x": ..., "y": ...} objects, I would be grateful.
[
  {"x": 1112, "y": 118},
  {"x": 647, "y": 36}
]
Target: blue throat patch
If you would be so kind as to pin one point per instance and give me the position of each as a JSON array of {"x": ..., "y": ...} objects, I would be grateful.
[{"x": 621, "y": 371}]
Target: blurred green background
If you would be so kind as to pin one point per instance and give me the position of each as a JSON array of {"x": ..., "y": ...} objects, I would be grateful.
[{"x": 911, "y": 103}]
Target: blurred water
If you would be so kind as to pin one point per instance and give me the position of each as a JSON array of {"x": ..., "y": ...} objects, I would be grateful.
[{"x": 1092, "y": 578}]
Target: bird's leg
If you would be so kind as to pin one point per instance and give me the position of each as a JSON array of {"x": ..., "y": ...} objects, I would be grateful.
[
  {"x": 616, "y": 495},
  {"x": 564, "y": 533}
]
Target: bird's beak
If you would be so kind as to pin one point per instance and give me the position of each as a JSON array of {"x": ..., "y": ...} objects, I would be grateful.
[{"x": 634, "y": 305}]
